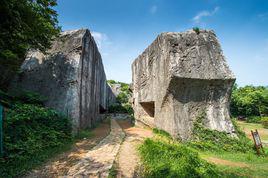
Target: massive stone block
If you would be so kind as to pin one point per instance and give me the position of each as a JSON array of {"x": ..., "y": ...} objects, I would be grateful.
[
  {"x": 178, "y": 77},
  {"x": 71, "y": 76}
]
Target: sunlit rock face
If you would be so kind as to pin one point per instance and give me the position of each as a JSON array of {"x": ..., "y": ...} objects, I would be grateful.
[
  {"x": 71, "y": 76},
  {"x": 178, "y": 77}
]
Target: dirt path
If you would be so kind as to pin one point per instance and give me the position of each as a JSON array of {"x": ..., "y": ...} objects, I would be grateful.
[
  {"x": 128, "y": 160},
  {"x": 99, "y": 160},
  {"x": 60, "y": 165},
  {"x": 219, "y": 161},
  {"x": 94, "y": 157}
]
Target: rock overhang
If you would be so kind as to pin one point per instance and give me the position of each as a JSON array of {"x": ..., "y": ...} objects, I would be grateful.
[{"x": 182, "y": 74}]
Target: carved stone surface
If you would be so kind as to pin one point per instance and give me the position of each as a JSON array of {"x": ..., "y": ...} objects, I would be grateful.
[
  {"x": 178, "y": 77},
  {"x": 71, "y": 76}
]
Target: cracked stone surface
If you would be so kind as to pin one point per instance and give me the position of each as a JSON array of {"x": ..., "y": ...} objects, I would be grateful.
[
  {"x": 98, "y": 161},
  {"x": 178, "y": 77},
  {"x": 71, "y": 76}
]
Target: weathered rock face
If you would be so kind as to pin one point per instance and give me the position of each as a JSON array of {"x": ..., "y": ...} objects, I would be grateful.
[
  {"x": 116, "y": 88},
  {"x": 178, "y": 77},
  {"x": 71, "y": 76}
]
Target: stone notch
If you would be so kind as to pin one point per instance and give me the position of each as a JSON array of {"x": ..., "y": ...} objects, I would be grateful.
[
  {"x": 178, "y": 77},
  {"x": 71, "y": 76}
]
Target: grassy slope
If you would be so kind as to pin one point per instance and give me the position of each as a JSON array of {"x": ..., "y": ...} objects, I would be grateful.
[
  {"x": 247, "y": 127},
  {"x": 234, "y": 164},
  {"x": 255, "y": 166}
]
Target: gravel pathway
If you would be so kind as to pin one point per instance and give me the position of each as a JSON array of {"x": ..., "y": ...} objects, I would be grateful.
[{"x": 99, "y": 160}]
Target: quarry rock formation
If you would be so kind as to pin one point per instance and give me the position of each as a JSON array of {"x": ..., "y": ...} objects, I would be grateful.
[
  {"x": 71, "y": 76},
  {"x": 178, "y": 77},
  {"x": 116, "y": 88}
]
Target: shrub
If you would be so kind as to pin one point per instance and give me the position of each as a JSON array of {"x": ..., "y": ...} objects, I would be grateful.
[
  {"x": 126, "y": 108},
  {"x": 31, "y": 134},
  {"x": 249, "y": 101},
  {"x": 207, "y": 139},
  {"x": 161, "y": 159},
  {"x": 254, "y": 119},
  {"x": 197, "y": 30},
  {"x": 122, "y": 97},
  {"x": 21, "y": 96},
  {"x": 264, "y": 122}
]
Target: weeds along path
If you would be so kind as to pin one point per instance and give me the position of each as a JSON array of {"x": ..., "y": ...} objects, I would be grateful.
[
  {"x": 99, "y": 160},
  {"x": 128, "y": 162}
]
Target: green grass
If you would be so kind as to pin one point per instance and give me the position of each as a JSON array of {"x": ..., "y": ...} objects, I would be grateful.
[
  {"x": 250, "y": 125},
  {"x": 257, "y": 165},
  {"x": 164, "y": 157},
  {"x": 83, "y": 134},
  {"x": 161, "y": 133},
  {"x": 247, "y": 127}
]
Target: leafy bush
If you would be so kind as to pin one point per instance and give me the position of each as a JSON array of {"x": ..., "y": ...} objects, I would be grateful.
[
  {"x": 31, "y": 134},
  {"x": 249, "y": 101},
  {"x": 197, "y": 30},
  {"x": 21, "y": 96},
  {"x": 162, "y": 159},
  {"x": 122, "y": 97},
  {"x": 207, "y": 139},
  {"x": 24, "y": 24},
  {"x": 126, "y": 108},
  {"x": 111, "y": 81},
  {"x": 254, "y": 119},
  {"x": 264, "y": 122}
]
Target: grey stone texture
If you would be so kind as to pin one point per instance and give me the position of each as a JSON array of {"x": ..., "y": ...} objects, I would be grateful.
[
  {"x": 116, "y": 88},
  {"x": 71, "y": 76},
  {"x": 178, "y": 77}
]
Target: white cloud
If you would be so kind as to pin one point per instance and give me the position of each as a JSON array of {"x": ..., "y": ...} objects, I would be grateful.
[
  {"x": 153, "y": 9},
  {"x": 200, "y": 15},
  {"x": 100, "y": 38}
]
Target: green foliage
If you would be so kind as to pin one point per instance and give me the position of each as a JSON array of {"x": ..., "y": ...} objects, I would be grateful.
[
  {"x": 21, "y": 96},
  {"x": 24, "y": 24},
  {"x": 86, "y": 133},
  {"x": 111, "y": 81},
  {"x": 249, "y": 101},
  {"x": 162, "y": 133},
  {"x": 29, "y": 97},
  {"x": 122, "y": 97},
  {"x": 197, "y": 30},
  {"x": 264, "y": 122},
  {"x": 162, "y": 159},
  {"x": 112, "y": 172},
  {"x": 254, "y": 119},
  {"x": 32, "y": 134},
  {"x": 119, "y": 108},
  {"x": 206, "y": 139}
]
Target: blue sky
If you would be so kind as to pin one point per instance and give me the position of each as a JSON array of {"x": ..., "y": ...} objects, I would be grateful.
[{"x": 124, "y": 28}]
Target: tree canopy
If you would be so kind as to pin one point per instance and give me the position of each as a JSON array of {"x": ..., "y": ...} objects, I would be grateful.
[
  {"x": 24, "y": 24},
  {"x": 249, "y": 101}
]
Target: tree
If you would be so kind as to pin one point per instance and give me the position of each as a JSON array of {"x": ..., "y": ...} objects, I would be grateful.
[
  {"x": 249, "y": 101},
  {"x": 24, "y": 24}
]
